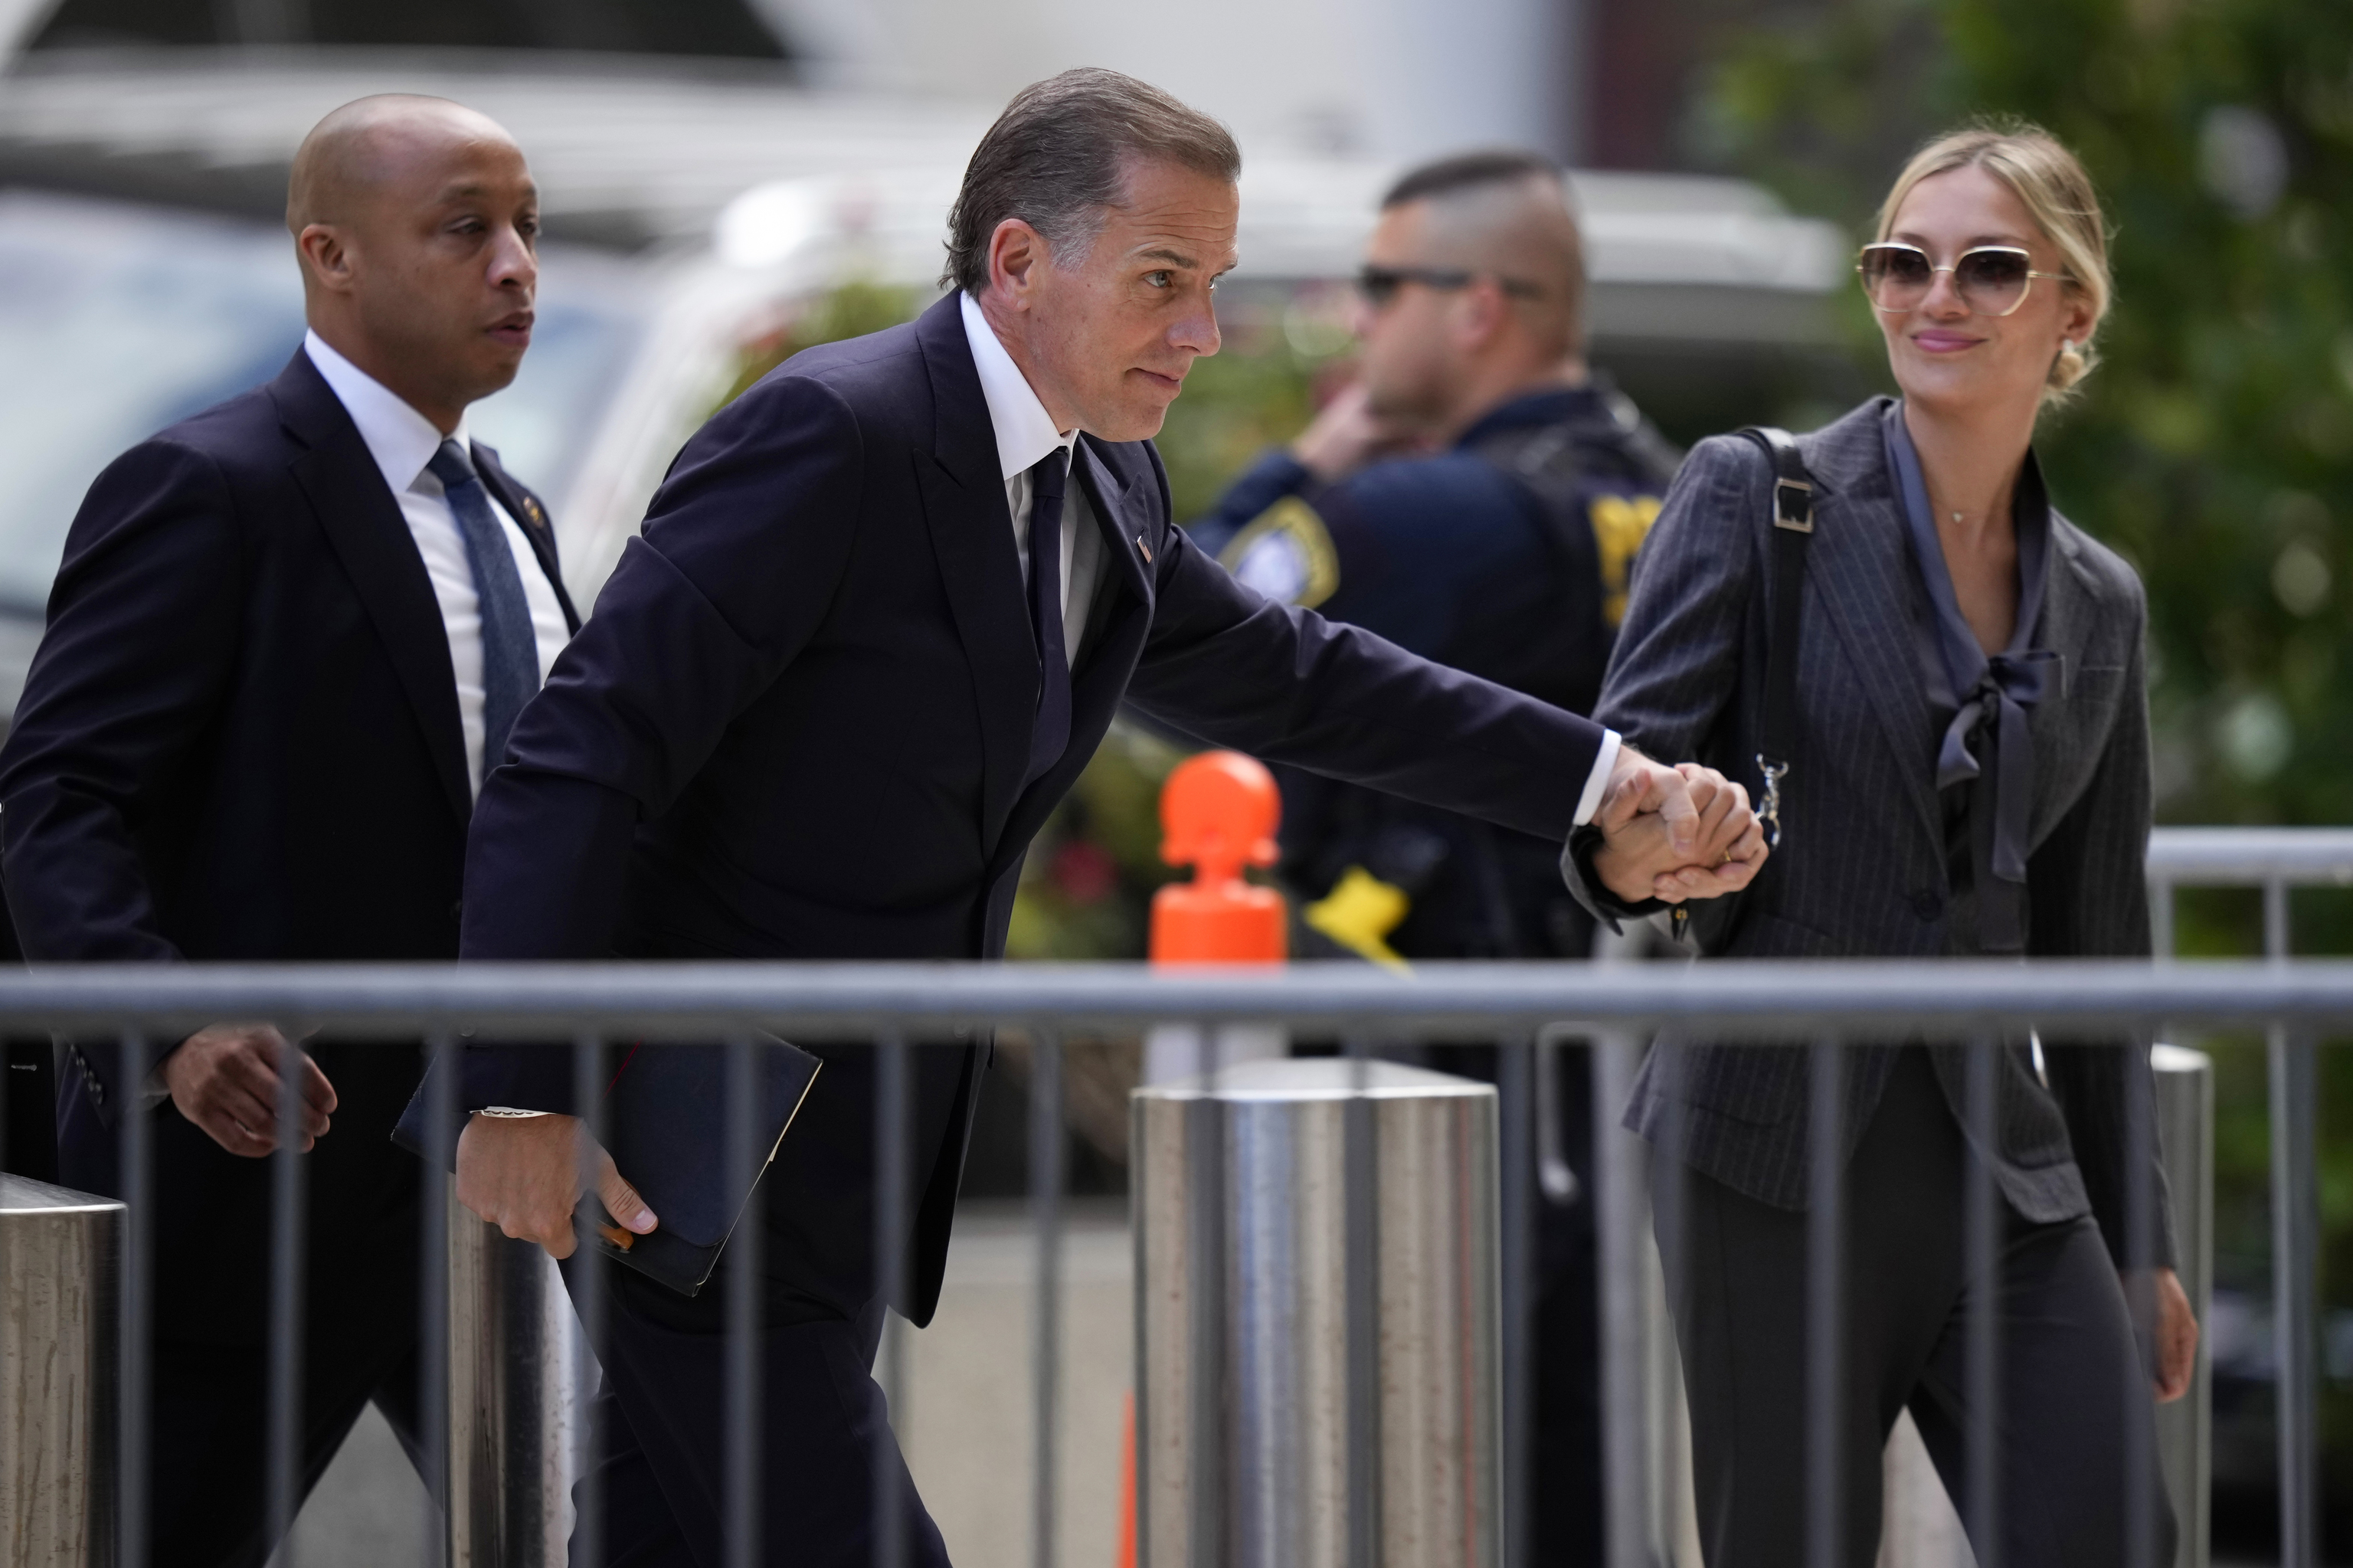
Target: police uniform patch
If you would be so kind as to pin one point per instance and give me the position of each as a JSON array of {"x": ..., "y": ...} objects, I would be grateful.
[
  {"x": 1286, "y": 554},
  {"x": 1620, "y": 524}
]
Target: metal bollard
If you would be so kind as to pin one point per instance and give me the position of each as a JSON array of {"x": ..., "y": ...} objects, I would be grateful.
[
  {"x": 61, "y": 1306},
  {"x": 517, "y": 1401},
  {"x": 1318, "y": 1320}
]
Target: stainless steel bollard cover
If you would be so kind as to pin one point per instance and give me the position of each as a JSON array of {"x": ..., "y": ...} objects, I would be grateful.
[
  {"x": 519, "y": 1379},
  {"x": 1318, "y": 1322},
  {"x": 60, "y": 1300}
]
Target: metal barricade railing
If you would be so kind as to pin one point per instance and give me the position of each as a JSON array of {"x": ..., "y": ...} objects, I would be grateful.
[
  {"x": 2272, "y": 859},
  {"x": 2276, "y": 860},
  {"x": 898, "y": 1006}
]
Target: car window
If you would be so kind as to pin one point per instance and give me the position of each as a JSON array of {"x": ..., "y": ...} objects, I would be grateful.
[{"x": 117, "y": 319}]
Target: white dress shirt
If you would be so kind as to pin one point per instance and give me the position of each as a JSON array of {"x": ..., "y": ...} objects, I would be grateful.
[
  {"x": 1025, "y": 433},
  {"x": 403, "y": 441}
]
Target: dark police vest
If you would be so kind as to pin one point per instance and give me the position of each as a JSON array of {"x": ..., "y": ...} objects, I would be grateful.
[{"x": 1597, "y": 478}]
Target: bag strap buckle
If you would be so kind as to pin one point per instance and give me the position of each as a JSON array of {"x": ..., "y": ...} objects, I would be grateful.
[{"x": 1793, "y": 505}]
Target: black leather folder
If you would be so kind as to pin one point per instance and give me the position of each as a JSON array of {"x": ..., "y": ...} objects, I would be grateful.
[{"x": 666, "y": 1124}]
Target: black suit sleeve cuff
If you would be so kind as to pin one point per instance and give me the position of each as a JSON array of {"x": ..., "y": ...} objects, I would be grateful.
[
  {"x": 522, "y": 1077},
  {"x": 1588, "y": 888},
  {"x": 526, "y": 1078}
]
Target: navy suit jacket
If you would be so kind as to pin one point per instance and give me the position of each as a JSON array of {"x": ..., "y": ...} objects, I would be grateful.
[
  {"x": 239, "y": 740},
  {"x": 796, "y": 722}
]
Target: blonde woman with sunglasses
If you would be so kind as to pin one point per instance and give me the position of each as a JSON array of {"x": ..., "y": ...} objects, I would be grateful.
[{"x": 1968, "y": 776}]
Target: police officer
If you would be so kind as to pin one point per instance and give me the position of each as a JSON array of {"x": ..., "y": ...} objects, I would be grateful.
[{"x": 1476, "y": 496}]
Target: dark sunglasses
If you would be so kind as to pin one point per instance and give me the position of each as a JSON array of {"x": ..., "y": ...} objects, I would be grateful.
[
  {"x": 1991, "y": 279},
  {"x": 1380, "y": 285}
]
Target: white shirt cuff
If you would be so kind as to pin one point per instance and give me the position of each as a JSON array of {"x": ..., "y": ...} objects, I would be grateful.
[{"x": 1597, "y": 782}]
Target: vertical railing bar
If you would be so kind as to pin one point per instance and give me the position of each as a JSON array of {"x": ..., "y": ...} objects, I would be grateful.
[
  {"x": 1216, "y": 1534},
  {"x": 2277, "y": 938},
  {"x": 1519, "y": 1112},
  {"x": 1360, "y": 1168},
  {"x": 286, "y": 1236},
  {"x": 2160, "y": 917},
  {"x": 2140, "y": 1248},
  {"x": 1207, "y": 1243},
  {"x": 891, "y": 1096},
  {"x": 1825, "y": 1303},
  {"x": 433, "y": 1346},
  {"x": 588, "y": 1270},
  {"x": 1555, "y": 1179},
  {"x": 1618, "y": 1178},
  {"x": 2295, "y": 1236},
  {"x": 1670, "y": 1227},
  {"x": 891, "y": 1350},
  {"x": 1981, "y": 1228},
  {"x": 1132, "y": 1549},
  {"x": 743, "y": 1356},
  {"x": 1046, "y": 1140},
  {"x": 134, "y": 1327}
]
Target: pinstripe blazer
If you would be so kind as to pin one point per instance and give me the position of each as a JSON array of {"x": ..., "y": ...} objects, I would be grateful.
[{"x": 1861, "y": 869}]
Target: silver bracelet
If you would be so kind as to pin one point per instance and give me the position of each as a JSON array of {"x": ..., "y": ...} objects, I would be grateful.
[{"x": 509, "y": 1113}]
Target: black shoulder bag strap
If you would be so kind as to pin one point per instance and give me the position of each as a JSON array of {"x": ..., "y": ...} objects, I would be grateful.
[{"x": 1793, "y": 525}]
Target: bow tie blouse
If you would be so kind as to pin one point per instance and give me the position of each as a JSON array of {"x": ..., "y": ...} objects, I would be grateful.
[{"x": 1985, "y": 762}]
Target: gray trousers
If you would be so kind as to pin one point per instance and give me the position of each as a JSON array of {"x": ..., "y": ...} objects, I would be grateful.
[{"x": 2073, "y": 1422}]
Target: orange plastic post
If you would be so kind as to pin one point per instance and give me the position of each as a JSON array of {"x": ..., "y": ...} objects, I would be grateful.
[
  {"x": 1125, "y": 1556},
  {"x": 1218, "y": 814}
]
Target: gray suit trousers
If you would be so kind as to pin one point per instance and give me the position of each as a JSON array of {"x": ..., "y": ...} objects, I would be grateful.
[{"x": 2074, "y": 1438}]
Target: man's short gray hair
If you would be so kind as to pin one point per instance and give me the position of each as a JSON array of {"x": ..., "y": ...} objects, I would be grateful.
[{"x": 1056, "y": 158}]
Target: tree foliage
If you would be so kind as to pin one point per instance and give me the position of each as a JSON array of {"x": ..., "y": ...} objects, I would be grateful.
[{"x": 2212, "y": 445}]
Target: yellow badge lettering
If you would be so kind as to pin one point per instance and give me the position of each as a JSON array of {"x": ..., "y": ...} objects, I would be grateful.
[{"x": 1620, "y": 524}]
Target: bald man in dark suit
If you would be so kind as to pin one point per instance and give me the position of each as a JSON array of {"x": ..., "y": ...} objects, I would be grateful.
[{"x": 286, "y": 633}]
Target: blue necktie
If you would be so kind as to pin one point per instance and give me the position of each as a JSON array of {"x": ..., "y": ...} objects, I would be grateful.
[
  {"x": 510, "y": 647},
  {"x": 1052, "y": 733}
]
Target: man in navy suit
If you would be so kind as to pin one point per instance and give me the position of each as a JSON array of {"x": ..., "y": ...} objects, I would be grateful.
[
  {"x": 883, "y": 609},
  {"x": 285, "y": 636}
]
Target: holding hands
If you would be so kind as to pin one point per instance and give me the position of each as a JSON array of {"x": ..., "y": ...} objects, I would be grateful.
[{"x": 1673, "y": 833}]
